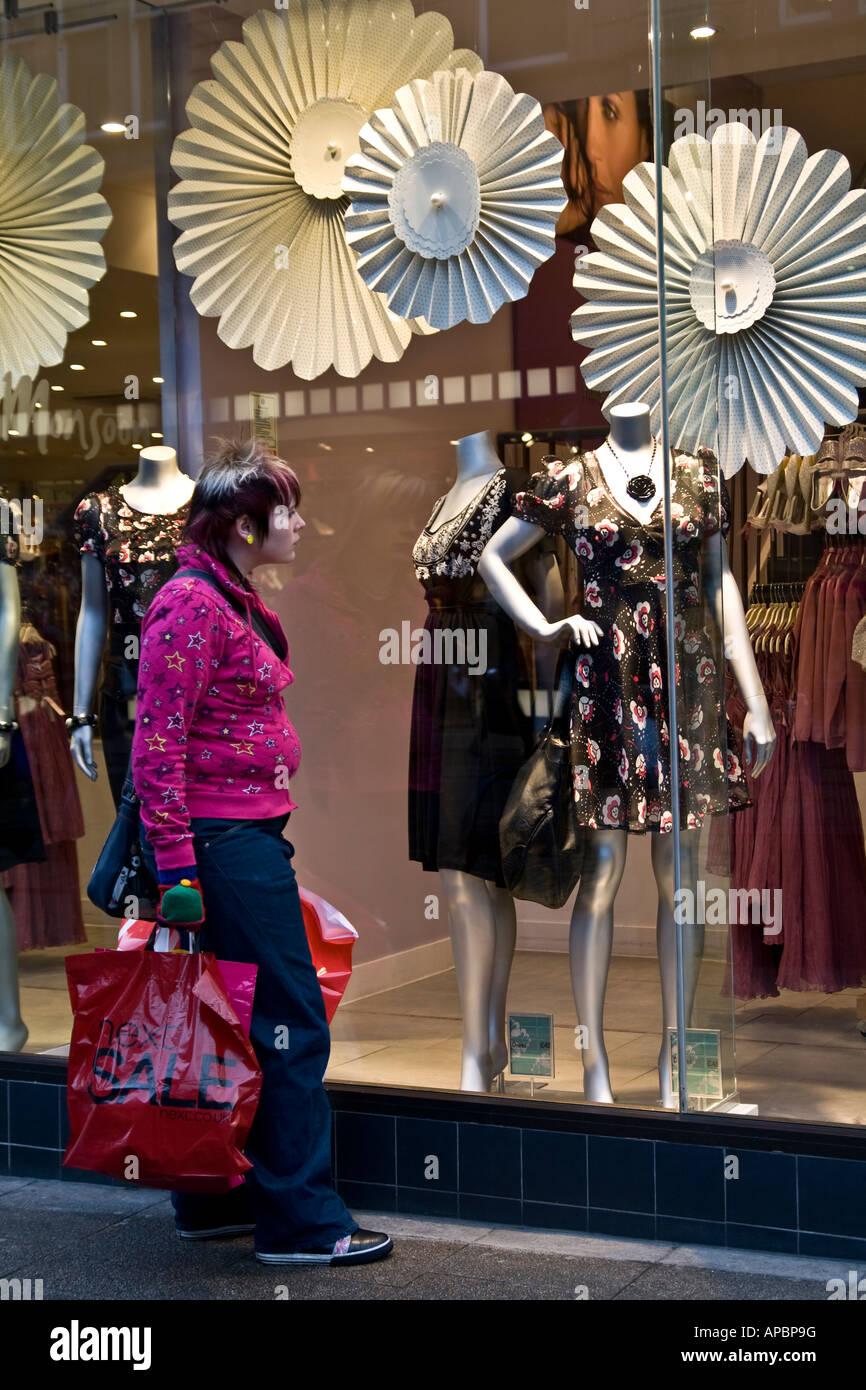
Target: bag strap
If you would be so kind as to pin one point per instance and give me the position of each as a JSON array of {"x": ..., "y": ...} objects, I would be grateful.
[
  {"x": 561, "y": 692},
  {"x": 261, "y": 628}
]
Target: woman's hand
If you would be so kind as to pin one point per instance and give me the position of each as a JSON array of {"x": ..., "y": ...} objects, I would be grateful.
[{"x": 583, "y": 631}]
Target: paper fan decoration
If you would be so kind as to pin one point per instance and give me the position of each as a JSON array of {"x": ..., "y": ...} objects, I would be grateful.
[
  {"x": 52, "y": 219},
  {"x": 260, "y": 203},
  {"x": 455, "y": 197},
  {"x": 764, "y": 272}
]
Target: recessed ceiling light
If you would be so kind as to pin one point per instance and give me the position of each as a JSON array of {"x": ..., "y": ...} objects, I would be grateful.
[
  {"x": 138, "y": 446},
  {"x": 98, "y": 342},
  {"x": 369, "y": 450},
  {"x": 158, "y": 379},
  {"x": 37, "y": 405},
  {"x": 702, "y": 31},
  {"x": 113, "y": 127},
  {"x": 128, "y": 314},
  {"x": 57, "y": 388},
  {"x": 76, "y": 367},
  {"x": 326, "y": 447},
  {"x": 13, "y": 431},
  {"x": 528, "y": 438},
  {"x": 154, "y": 434}
]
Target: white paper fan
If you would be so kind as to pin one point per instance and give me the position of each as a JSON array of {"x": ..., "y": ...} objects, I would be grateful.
[
  {"x": 52, "y": 219},
  {"x": 455, "y": 197},
  {"x": 765, "y": 273},
  {"x": 260, "y": 203}
]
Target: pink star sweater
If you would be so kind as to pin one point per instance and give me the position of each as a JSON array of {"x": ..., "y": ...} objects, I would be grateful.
[{"x": 211, "y": 735}]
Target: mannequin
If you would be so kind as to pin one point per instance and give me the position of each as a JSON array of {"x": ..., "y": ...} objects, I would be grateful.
[
  {"x": 13, "y": 1032},
  {"x": 631, "y": 454},
  {"x": 159, "y": 489},
  {"x": 481, "y": 912}
]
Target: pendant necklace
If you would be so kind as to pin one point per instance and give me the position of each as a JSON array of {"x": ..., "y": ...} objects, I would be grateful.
[{"x": 640, "y": 486}]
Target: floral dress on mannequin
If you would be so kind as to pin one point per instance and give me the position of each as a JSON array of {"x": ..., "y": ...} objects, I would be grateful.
[{"x": 620, "y": 721}]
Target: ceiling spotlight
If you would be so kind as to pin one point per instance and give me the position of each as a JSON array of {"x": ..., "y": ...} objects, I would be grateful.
[
  {"x": 138, "y": 446},
  {"x": 702, "y": 31},
  {"x": 76, "y": 367},
  {"x": 527, "y": 438},
  {"x": 158, "y": 379},
  {"x": 13, "y": 431},
  {"x": 98, "y": 342},
  {"x": 154, "y": 434},
  {"x": 113, "y": 127},
  {"x": 128, "y": 314},
  {"x": 368, "y": 450},
  {"x": 57, "y": 388},
  {"x": 326, "y": 447}
]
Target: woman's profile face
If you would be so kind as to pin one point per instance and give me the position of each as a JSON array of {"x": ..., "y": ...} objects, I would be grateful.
[
  {"x": 284, "y": 528},
  {"x": 615, "y": 143}
]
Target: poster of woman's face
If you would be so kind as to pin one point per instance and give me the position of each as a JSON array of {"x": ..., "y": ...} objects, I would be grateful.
[{"x": 603, "y": 137}]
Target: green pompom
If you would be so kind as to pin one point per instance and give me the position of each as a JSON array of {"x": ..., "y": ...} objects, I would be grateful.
[{"x": 181, "y": 904}]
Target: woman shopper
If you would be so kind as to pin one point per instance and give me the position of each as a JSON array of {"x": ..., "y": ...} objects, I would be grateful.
[{"x": 212, "y": 756}]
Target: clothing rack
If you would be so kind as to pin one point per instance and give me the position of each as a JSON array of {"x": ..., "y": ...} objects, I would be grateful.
[{"x": 777, "y": 593}]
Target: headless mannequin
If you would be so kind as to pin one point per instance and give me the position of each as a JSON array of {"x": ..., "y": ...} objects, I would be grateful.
[
  {"x": 481, "y": 916},
  {"x": 158, "y": 488},
  {"x": 591, "y": 936},
  {"x": 13, "y": 1033}
]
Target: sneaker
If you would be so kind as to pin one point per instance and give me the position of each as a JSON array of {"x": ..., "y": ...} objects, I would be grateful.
[
  {"x": 200, "y": 1216},
  {"x": 358, "y": 1249},
  {"x": 212, "y": 1232}
]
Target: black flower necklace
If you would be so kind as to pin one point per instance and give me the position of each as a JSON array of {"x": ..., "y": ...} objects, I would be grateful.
[{"x": 641, "y": 486}]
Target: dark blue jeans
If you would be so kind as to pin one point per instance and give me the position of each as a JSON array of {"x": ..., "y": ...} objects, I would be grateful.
[{"x": 253, "y": 913}]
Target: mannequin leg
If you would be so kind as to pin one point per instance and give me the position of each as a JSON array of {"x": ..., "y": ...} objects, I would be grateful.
[
  {"x": 482, "y": 939},
  {"x": 13, "y": 1034},
  {"x": 666, "y": 942},
  {"x": 505, "y": 913},
  {"x": 590, "y": 943}
]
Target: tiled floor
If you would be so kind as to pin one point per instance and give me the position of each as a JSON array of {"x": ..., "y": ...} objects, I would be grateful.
[{"x": 799, "y": 1057}]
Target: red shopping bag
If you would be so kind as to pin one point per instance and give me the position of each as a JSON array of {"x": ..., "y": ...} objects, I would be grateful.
[
  {"x": 331, "y": 937},
  {"x": 163, "y": 1082}
]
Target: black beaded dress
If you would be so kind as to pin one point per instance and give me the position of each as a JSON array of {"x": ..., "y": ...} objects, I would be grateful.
[{"x": 469, "y": 735}]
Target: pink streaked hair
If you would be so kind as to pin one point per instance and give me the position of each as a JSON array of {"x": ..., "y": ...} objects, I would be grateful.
[{"x": 243, "y": 477}]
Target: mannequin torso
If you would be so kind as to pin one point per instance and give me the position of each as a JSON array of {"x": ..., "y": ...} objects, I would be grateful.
[
  {"x": 158, "y": 487},
  {"x": 477, "y": 463},
  {"x": 636, "y": 453}
]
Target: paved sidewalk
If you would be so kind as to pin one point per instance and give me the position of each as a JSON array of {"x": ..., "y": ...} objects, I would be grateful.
[{"x": 85, "y": 1241}]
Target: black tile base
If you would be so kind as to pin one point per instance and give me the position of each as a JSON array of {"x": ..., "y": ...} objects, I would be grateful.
[
  {"x": 427, "y": 1201},
  {"x": 602, "y": 1170},
  {"x": 783, "y": 1242},
  {"x": 33, "y": 1163}
]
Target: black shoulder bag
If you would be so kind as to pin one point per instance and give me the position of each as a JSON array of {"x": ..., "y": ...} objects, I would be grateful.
[{"x": 541, "y": 843}]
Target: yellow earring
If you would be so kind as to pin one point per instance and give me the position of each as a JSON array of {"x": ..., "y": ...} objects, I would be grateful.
[{"x": 249, "y": 539}]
